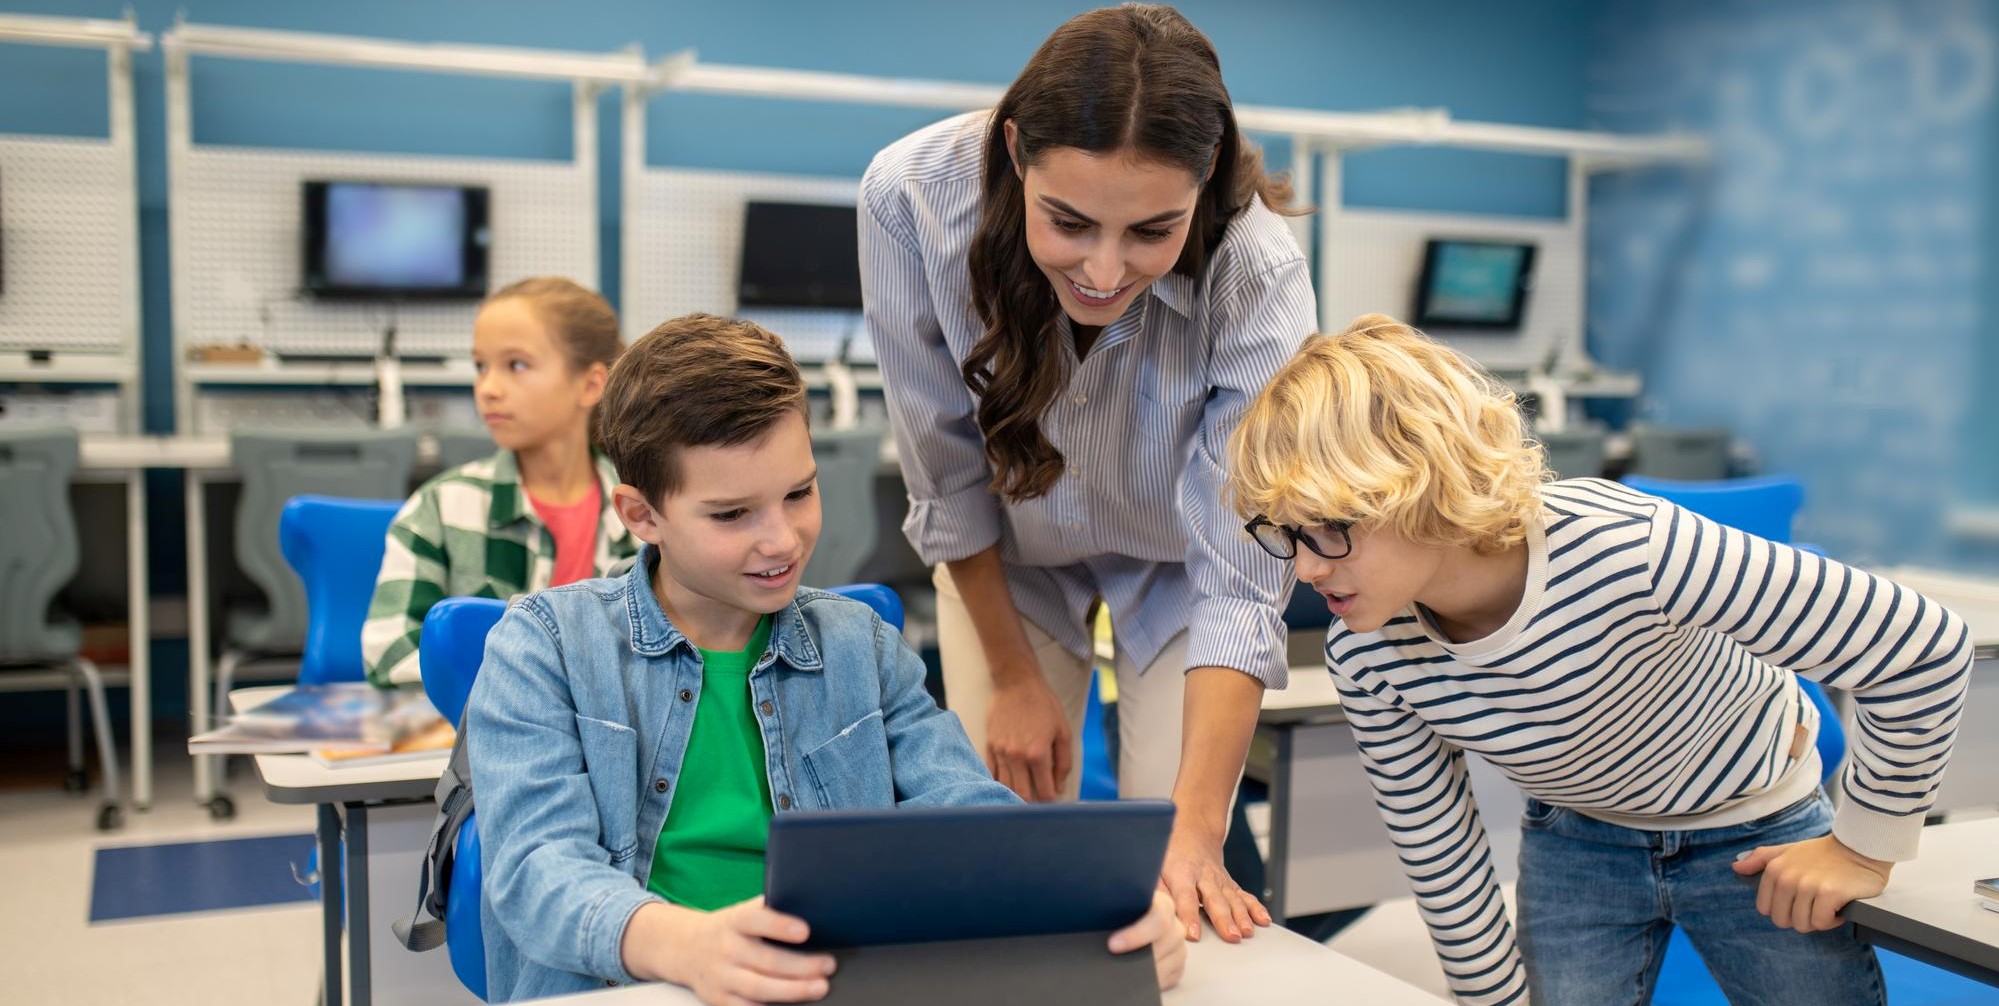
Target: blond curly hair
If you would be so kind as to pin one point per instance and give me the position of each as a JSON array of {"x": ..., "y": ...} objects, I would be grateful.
[{"x": 1381, "y": 425}]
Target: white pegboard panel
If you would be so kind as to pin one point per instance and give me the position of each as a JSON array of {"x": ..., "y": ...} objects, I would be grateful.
[
  {"x": 220, "y": 411},
  {"x": 87, "y": 411},
  {"x": 1370, "y": 261},
  {"x": 684, "y": 245},
  {"x": 68, "y": 251},
  {"x": 239, "y": 245}
]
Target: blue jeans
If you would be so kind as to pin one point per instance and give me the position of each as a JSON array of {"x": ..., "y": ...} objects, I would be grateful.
[{"x": 1598, "y": 902}]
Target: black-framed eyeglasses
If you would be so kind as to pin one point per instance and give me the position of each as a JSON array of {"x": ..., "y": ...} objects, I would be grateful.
[{"x": 1328, "y": 541}]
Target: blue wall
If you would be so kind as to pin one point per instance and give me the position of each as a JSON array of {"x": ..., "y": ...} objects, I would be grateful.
[
  {"x": 1523, "y": 64},
  {"x": 1822, "y": 289}
]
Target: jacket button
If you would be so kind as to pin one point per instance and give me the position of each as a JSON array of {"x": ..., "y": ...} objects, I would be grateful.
[
  {"x": 784, "y": 801},
  {"x": 659, "y": 786},
  {"x": 686, "y": 695},
  {"x": 767, "y": 708}
]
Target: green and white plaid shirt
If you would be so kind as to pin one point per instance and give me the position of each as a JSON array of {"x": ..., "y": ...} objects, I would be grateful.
[{"x": 469, "y": 532}]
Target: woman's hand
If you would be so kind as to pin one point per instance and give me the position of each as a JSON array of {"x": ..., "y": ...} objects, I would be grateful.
[{"x": 1028, "y": 745}]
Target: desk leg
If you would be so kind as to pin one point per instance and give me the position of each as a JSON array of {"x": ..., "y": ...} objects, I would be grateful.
[
  {"x": 329, "y": 899},
  {"x": 199, "y": 690},
  {"x": 1276, "y": 872},
  {"x": 358, "y": 937},
  {"x": 140, "y": 631}
]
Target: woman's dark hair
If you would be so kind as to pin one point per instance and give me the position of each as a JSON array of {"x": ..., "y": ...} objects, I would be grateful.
[{"x": 1138, "y": 78}]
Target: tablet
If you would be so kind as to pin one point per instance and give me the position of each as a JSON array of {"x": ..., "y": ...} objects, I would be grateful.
[{"x": 915, "y": 875}]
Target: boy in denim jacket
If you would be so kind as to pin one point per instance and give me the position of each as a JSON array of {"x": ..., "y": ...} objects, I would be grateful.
[{"x": 633, "y": 735}]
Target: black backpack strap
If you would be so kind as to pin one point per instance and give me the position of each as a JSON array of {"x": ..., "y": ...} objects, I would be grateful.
[{"x": 454, "y": 805}]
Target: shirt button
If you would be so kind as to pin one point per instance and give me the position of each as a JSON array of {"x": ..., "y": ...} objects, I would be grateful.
[
  {"x": 766, "y": 708},
  {"x": 686, "y": 695},
  {"x": 784, "y": 801},
  {"x": 610, "y": 983},
  {"x": 1081, "y": 399},
  {"x": 1076, "y": 526},
  {"x": 659, "y": 785}
]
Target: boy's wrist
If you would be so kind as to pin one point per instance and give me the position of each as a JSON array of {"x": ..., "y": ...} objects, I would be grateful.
[{"x": 653, "y": 936}]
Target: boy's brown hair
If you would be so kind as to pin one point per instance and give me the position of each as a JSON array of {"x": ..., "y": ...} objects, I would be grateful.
[{"x": 695, "y": 381}]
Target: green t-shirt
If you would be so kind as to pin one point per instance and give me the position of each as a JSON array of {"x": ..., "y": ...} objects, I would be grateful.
[{"x": 710, "y": 852}]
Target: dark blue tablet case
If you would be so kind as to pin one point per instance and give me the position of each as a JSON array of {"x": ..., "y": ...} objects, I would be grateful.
[{"x": 980, "y": 904}]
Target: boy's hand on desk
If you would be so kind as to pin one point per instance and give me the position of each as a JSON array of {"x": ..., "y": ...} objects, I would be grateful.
[
  {"x": 1807, "y": 884},
  {"x": 722, "y": 955},
  {"x": 1162, "y": 930}
]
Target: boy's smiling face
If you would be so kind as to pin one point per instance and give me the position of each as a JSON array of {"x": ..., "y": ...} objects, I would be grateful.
[{"x": 736, "y": 535}]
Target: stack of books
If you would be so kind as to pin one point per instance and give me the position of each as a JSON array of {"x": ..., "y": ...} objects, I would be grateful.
[{"x": 351, "y": 723}]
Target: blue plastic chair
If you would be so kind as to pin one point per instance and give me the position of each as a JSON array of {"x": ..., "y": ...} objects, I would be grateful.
[
  {"x": 1099, "y": 776},
  {"x": 450, "y": 650},
  {"x": 1763, "y": 506},
  {"x": 335, "y": 545}
]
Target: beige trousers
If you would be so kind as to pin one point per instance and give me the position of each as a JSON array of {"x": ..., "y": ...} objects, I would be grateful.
[{"x": 1148, "y": 698}]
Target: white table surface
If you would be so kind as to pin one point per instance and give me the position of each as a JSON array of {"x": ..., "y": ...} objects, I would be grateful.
[
  {"x": 1929, "y": 900},
  {"x": 1276, "y": 968},
  {"x": 297, "y": 778}
]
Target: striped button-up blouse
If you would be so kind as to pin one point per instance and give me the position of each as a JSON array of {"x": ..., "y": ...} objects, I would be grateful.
[{"x": 1138, "y": 517}]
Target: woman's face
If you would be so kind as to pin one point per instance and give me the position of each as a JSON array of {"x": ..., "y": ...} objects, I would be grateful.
[{"x": 1102, "y": 227}]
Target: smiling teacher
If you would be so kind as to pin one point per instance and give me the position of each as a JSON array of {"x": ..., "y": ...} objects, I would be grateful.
[{"x": 1073, "y": 297}]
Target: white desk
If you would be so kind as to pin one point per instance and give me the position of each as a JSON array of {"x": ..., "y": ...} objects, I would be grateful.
[
  {"x": 1276, "y": 968},
  {"x": 346, "y": 797},
  {"x": 125, "y": 459},
  {"x": 1328, "y": 847},
  {"x": 1929, "y": 911}
]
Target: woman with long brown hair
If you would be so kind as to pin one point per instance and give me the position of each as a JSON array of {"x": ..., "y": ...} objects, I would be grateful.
[{"x": 1073, "y": 297}]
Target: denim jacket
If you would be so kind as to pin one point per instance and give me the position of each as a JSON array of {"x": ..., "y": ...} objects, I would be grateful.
[{"x": 578, "y": 724}]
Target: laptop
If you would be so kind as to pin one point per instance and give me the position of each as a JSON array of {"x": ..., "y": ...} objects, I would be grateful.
[{"x": 1002, "y": 904}]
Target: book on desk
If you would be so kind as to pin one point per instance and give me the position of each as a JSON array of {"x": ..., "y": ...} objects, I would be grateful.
[{"x": 338, "y": 725}]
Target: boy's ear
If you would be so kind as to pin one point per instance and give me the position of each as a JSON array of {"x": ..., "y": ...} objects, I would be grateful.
[{"x": 638, "y": 516}]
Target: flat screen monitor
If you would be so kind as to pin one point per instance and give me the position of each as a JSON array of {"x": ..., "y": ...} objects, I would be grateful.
[
  {"x": 1474, "y": 284},
  {"x": 799, "y": 255},
  {"x": 389, "y": 240}
]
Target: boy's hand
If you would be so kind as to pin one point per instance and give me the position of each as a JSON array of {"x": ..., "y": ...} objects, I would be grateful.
[
  {"x": 1162, "y": 930},
  {"x": 723, "y": 958},
  {"x": 1807, "y": 884}
]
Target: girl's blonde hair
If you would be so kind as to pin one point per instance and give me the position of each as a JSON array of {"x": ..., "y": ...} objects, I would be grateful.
[{"x": 1383, "y": 425}]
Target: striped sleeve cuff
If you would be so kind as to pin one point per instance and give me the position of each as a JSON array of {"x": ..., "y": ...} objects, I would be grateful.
[
  {"x": 1244, "y": 635},
  {"x": 1889, "y": 837}
]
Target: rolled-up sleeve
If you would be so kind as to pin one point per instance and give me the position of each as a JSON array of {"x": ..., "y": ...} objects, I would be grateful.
[
  {"x": 1237, "y": 620},
  {"x": 952, "y": 512}
]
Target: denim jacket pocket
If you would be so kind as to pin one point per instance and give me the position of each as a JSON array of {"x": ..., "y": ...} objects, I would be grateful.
[
  {"x": 850, "y": 771},
  {"x": 611, "y": 762}
]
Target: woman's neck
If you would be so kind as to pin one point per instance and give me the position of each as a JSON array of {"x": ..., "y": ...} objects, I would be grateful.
[{"x": 559, "y": 472}]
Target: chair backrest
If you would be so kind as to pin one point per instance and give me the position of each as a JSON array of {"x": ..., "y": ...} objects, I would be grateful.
[
  {"x": 1574, "y": 453},
  {"x": 365, "y": 464},
  {"x": 1763, "y": 506},
  {"x": 464, "y": 937},
  {"x": 887, "y": 603},
  {"x": 451, "y": 648},
  {"x": 1668, "y": 453},
  {"x": 38, "y": 550},
  {"x": 456, "y": 447},
  {"x": 335, "y": 546},
  {"x": 848, "y": 460}
]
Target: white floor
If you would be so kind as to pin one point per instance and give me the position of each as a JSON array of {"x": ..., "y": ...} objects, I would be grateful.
[
  {"x": 53, "y": 954},
  {"x": 270, "y": 955}
]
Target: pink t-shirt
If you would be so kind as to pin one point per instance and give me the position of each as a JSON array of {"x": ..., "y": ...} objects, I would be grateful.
[{"x": 575, "y": 529}]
